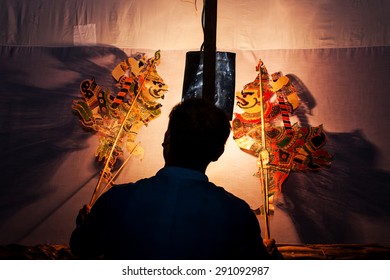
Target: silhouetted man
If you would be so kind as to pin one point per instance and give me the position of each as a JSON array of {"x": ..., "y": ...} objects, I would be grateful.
[{"x": 178, "y": 213}]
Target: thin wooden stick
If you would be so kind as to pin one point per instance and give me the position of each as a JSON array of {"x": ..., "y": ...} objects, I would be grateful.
[
  {"x": 120, "y": 132},
  {"x": 114, "y": 176},
  {"x": 263, "y": 155}
]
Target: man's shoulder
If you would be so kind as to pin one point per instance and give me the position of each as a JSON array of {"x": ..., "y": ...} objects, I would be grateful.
[
  {"x": 121, "y": 189},
  {"x": 230, "y": 198}
]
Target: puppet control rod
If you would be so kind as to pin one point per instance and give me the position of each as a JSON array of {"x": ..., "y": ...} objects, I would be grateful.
[
  {"x": 106, "y": 170},
  {"x": 263, "y": 161}
]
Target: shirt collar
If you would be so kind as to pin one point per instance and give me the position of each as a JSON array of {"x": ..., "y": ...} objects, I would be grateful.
[{"x": 183, "y": 173}]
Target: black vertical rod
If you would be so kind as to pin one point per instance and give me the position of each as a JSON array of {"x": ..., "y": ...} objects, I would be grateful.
[{"x": 210, "y": 41}]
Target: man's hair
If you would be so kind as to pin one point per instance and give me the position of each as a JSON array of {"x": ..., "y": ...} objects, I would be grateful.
[{"x": 198, "y": 131}]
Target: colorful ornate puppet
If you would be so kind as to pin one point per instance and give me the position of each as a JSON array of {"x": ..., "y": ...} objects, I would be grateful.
[
  {"x": 264, "y": 130},
  {"x": 117, "y": 119}
]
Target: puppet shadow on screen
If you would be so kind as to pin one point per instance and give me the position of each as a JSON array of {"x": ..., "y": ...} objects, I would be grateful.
[
  {"x": 337, "y": 204},
  {"x": 38, "y": 129}
]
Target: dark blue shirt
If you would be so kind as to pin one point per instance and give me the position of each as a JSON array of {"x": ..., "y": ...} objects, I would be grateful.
[{"x": 176, "y": 214}]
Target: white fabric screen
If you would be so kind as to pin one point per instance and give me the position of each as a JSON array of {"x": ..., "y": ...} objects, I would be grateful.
[{"x": 338, "y": 50}]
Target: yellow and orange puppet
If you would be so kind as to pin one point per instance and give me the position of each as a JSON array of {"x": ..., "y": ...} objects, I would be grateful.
[
  {"x": 117, "y": 119},
  {"x": 264, "y": 130}
]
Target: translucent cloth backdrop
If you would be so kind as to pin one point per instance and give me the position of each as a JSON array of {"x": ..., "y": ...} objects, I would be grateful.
[{"x": 337, "y": 52}]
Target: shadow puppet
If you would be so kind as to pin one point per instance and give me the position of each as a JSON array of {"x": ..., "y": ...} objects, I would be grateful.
[
  {"x": 38, "y": 129},
  {"x": 332, "y": 205}
]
